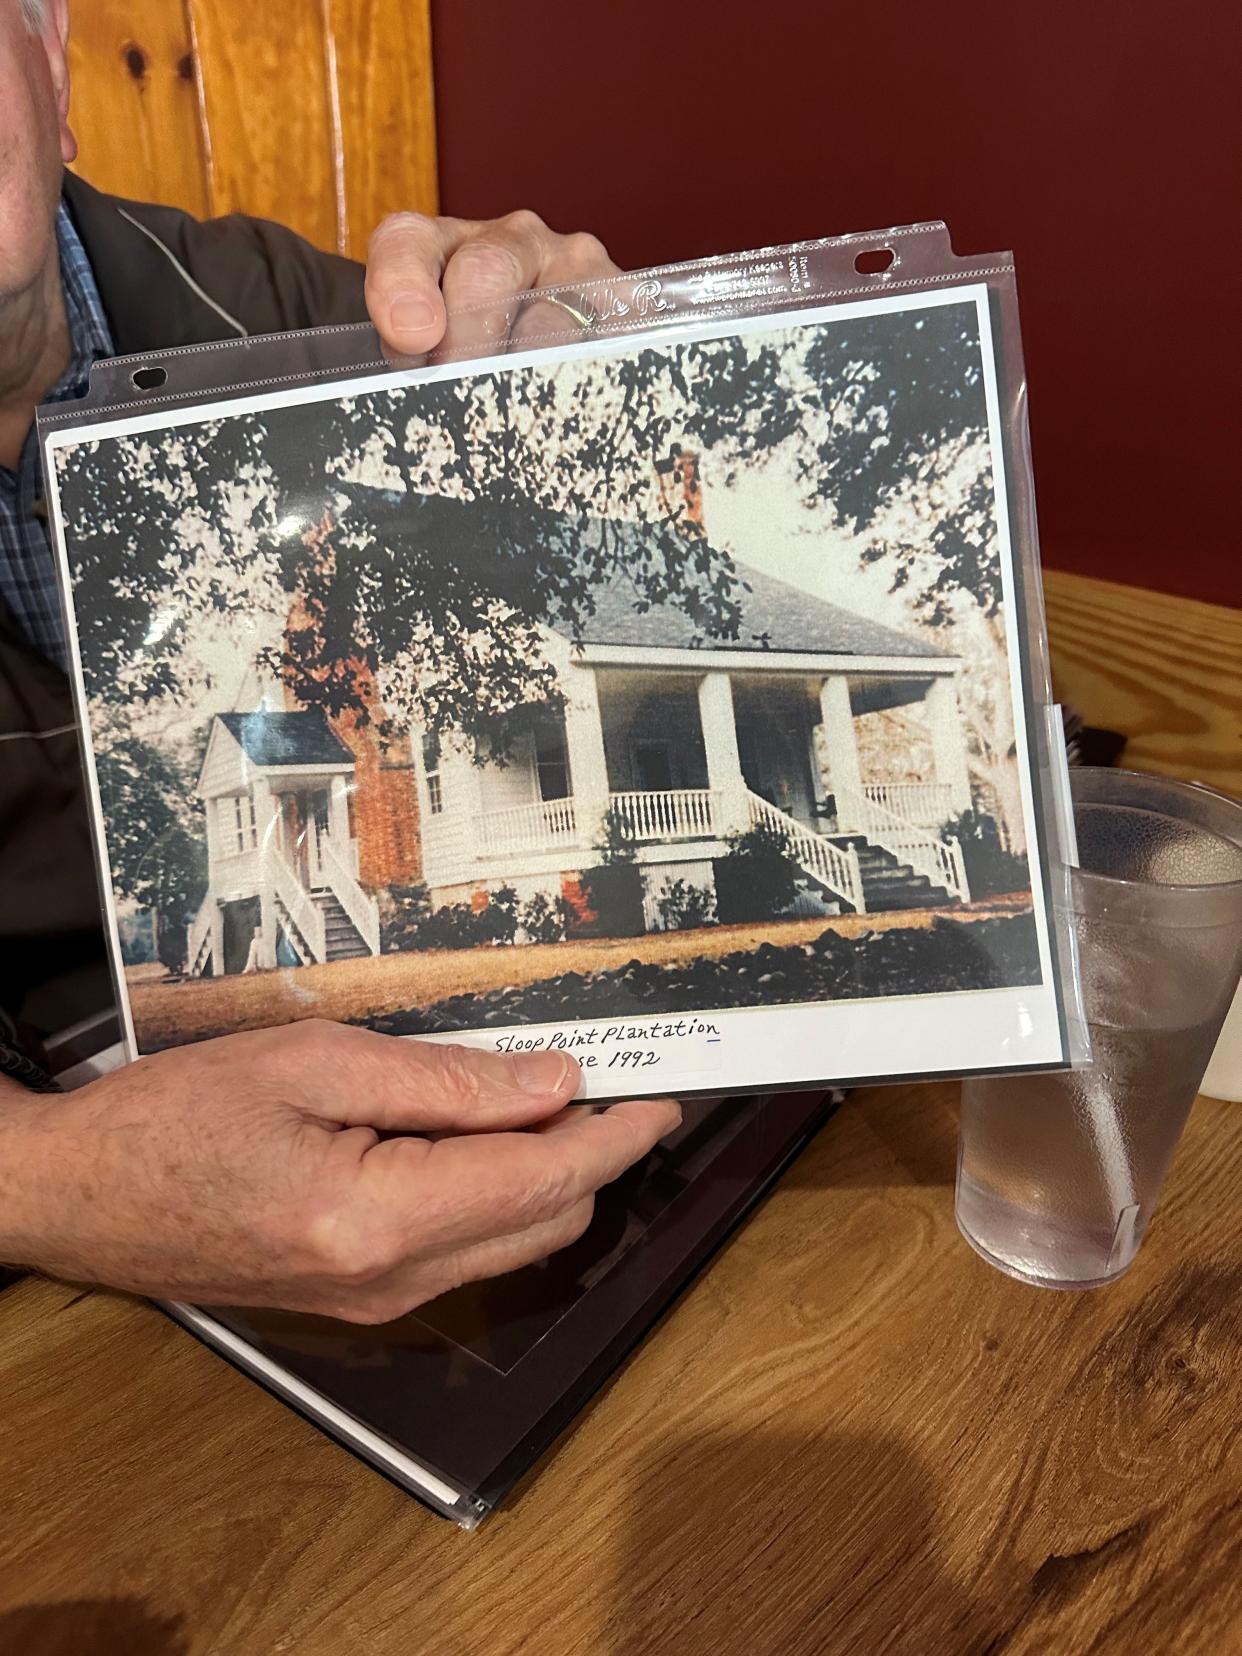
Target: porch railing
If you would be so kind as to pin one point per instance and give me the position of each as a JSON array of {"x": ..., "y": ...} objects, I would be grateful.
[
  {"x": 543, "y": 824},
  {"x": 834, "y": 866},
  {"x": 668, "y": 814},
  {"x": 674, "y": 813},
  {"x": 940, "y": 860},
  {"x": 199, "y": 935},
  {"x": 917, "y": 804},
  {"x": 361, "y": 909},
  {"x": 300, "y": 909}
]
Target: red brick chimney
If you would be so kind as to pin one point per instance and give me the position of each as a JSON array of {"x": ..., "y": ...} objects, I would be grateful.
[
  {"x": 681, "y": 487},
  {"x": 384, "y": 802}
]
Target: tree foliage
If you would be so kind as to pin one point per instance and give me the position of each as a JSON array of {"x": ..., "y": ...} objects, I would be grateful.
[
  {"x": 155, "y": 838},
  {"x": 900, "y": 452},
  {"x": 425, "y": 534},
  {"x": 420, "y": 538}
]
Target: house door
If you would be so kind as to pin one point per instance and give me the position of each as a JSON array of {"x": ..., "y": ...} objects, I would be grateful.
[
  {"x": 316, "y": 837},
  {"x": 304, "y": 828},
  {"x": 241, "y": 922},
  {"x": 652, "y": 766},
  {"x": 775, "y": 765}
]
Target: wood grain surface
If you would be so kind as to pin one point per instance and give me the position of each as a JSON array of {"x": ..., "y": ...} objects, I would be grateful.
[
  {"x": 135, "y": 103},
  {"x": 318, "y": 113},
  {"x": 852, "y": 1436},
  {"x": 1167, "y": 673}
]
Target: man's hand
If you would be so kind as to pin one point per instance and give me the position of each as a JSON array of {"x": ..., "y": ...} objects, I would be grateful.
[
  {"x": 420, "y": 269},
  {"x": 251, "y": 1170}
]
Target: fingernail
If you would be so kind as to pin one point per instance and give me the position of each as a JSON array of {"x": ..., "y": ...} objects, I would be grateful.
[
  {"x": 410, "y": 312},
  {"x": 541, "y": 1072}
]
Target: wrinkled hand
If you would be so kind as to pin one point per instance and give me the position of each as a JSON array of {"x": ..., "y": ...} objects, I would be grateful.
[
  {"x": 251, "y": 1170},
  {"x": 420, "y": 269}
]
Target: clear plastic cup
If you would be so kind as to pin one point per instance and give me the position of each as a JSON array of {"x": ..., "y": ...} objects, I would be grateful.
[{"x": 1058, "y": 1174}]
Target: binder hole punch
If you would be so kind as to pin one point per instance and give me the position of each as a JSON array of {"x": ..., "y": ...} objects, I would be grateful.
[
  {"x": 149, "y": 379},
  {"x": 875, "y": 261}
]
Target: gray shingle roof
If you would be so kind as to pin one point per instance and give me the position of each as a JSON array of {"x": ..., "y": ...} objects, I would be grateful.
[
  {"x": 775, "y": 616},
  {"x": 286, "y": 738}
]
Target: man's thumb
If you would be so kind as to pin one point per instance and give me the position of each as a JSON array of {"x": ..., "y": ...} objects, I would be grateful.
[{"x": 415, "y": 1086}]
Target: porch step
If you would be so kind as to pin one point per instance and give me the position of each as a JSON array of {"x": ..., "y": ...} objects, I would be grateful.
[
  {"x": 889, "y": 884},
  {"x": 342, "y": 937}
]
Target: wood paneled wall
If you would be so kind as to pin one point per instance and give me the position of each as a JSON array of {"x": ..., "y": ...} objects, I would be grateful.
[{"x": 317, "y": 113}]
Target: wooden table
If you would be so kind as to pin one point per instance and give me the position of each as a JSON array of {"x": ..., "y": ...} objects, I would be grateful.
[{"x": 852, "y": 1435}]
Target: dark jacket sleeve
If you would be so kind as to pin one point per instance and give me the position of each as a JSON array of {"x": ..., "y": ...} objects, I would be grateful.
[
  {"x": 168, "y": 279},
  {"x": 165, "y": 280}
]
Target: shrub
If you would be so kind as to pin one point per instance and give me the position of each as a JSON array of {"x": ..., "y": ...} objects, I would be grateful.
[
  {"x": 615, "y": 892},
  {"x": 409, "y": 922},
  {"x": 545, "y": 920},
  {"x": 401, "y": 917},
  {"x": 498, "y": 922},
  {"x": 759, "y": 877},
  {"x": 455, "y": 926},
  {"x": 683, "y": 907},
  {"x": 990, "y": 869},
  {"x": 617, "y": 844}
]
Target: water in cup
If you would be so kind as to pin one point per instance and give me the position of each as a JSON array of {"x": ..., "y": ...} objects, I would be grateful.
[{"x": 1063, "y": 1170}]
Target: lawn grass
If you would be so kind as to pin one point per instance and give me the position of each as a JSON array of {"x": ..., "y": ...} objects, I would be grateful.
[{"x": 166, "y": 1013}]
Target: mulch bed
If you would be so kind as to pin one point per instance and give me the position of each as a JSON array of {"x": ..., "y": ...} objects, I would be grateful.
[{"x": 947, "y": 956}]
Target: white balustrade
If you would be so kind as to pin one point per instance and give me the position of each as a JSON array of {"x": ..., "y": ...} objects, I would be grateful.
[
  {"x": 300, "y": 907},
  {"x": 361, "y": 909},
  {"x": 671, "y": 814},
  {"x": 535, "y": 827},
  {"x": 918, "y": 804},
  {"x": 832, "y": 865},
  {"x": 940, "y": 860},
  {"x": 199, "y": 933}
]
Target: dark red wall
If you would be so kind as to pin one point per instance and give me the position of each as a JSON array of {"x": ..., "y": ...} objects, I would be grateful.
[{"x": 1098, "y": 140}]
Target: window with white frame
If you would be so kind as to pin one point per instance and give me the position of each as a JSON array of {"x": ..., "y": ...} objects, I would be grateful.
[
  {"x": 551, "y": 757},
  {"x": 240, "y": 829},
  {"x": 431, "y": 772}
]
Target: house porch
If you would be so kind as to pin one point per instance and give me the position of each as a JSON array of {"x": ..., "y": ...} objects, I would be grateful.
[{"x": 683, "y": 759}]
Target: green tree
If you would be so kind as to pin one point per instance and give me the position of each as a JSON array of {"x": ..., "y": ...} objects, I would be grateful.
[
  {"x": 894, "y": 401},
  {"x": 429, "y": 533},
  {"x": 156, "y": 838}
]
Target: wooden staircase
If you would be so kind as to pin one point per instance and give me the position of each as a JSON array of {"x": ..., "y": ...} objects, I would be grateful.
[
  {"x": 344, "y": 941},
  {"x": 891, "y": 884}
]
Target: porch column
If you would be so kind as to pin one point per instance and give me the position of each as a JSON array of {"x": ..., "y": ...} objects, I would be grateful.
[
  {"x": 338, "y": 817},
  {"x": 217, "y": 939},
  {"x": 584, "y": 745},
  {"x": 724, "y": 764},
  {"x": 264, "y": 806},
  {"x": 210, "y": 807},
  {"x": 841, "y": 748},
  {"x": 948, "y": 736}
]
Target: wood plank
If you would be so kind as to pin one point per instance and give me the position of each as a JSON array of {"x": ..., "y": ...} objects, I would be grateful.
[
  {"x": 1167, "y": 672},
  {"x": 383, "y": 58},
  {"x": 135, "y": 103},
  {"x": 269, "y": 113},
  {"x": 851, "y": 1435}
]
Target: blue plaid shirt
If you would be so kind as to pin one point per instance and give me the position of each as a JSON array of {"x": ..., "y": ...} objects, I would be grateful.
[{"x": 28, "y": 584}]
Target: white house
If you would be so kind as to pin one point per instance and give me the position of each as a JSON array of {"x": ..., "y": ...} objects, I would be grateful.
[
  {"x": 282, "y": 858},
  {"x": 688, "y": 743},
  {"x": 685, "y": 742}
]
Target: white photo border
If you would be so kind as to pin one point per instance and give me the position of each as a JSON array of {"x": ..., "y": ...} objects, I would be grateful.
[{"x": 943, "y": 1033}]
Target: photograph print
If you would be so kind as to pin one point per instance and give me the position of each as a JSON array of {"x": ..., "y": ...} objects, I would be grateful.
[{"x": 640, "y": 681}]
